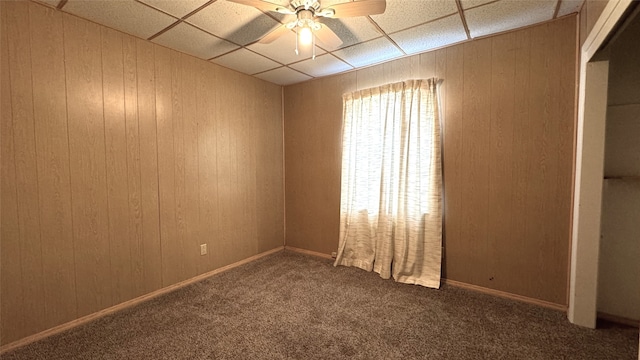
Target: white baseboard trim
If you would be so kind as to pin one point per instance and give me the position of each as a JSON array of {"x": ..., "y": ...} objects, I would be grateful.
[
  {"x": 619, "y": 319},
  {"x": 506, "y": 295},
  {"x": 308, "y": 252},
  {"x": 91, "y": 317},
  {"x": 481, "y": 289}
]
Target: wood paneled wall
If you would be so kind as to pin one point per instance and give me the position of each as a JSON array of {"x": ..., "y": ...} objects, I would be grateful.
[
  {"x": 119, "y": 158},
  {"x": 509, "y": 111}
]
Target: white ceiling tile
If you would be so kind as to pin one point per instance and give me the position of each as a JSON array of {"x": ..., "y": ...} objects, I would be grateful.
[
  {"x": 370, "y": 52},
  {"x": 507, "y": 15},
  {"x": 569, "y": 6},
  {"x": 282, "y": 49},
  {"x": 283, "y": 76},
  {"x": 402, "y": 14},
  {"x": 432, "y": 35},
  {"x": 246, "y": 62},
  {"x": 186, "y": 38},
  {"x": 473, "y": 3},
  {"x": 125, "y": 15},
  {"x": 240, "y": 24},
  {"x": 412, "y": 24},
  {"x": 352, "y": 30},
  {"x": 176, "y": 8},
  {"x": 322, "y": 65}
]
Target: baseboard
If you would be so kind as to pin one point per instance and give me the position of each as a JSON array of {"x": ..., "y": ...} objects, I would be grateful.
[
  {"x": 91, "y": 317},
  {"x": 506, "y": 295},
  {"x": 619, "y": 319},
  {"x": 308, "y": 252},
  {"x": 481, "y": 289}
]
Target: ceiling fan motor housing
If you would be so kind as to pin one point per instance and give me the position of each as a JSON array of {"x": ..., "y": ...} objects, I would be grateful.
[
  {"x": 301, "y": 5},
  {"x": 306, "y": 19}
]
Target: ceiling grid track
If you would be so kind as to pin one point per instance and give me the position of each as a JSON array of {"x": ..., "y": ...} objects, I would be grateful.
[
  {"x": 375, "y": 24},
  {"x": 464, "y": 20},
  {"x": 365, "y": 32},
  {"x": 555, "y": 13}
]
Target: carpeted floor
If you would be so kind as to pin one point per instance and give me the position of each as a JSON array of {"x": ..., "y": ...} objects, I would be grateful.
[{"x": 292, "y": 306}]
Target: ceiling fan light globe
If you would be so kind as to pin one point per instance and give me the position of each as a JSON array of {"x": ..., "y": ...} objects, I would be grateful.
[{"x": 306, "y": 35}]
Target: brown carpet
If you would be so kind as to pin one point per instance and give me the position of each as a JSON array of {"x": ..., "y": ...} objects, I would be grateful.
[{"x": 292, "y": 306}]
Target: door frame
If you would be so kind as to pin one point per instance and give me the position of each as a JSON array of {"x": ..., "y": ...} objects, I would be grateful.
[{"x": 589, "y": 169}]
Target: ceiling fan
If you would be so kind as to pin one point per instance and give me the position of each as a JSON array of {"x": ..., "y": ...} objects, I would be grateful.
[{"x": 308, "y": 12}]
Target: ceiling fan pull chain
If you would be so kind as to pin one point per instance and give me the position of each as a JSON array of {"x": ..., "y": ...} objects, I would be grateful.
[
  {"x": 313, "y": 44},
  {"x": 297, "y": 53}
]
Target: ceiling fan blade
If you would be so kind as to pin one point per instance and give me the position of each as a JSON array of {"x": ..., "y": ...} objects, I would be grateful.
[
  {"x": 274, "y": 34},
  {"x": 355, "y": 8},
  {"x": 327, "y": 37},
  {"x": 264, "y": 5}
]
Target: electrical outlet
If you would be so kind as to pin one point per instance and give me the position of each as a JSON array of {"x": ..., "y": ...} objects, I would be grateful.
[{"x": 203, "y": 249}]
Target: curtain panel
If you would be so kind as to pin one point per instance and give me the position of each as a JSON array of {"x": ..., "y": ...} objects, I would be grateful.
[{"x": 391, "y": 187}]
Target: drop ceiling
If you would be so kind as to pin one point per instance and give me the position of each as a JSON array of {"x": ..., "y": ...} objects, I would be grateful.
[{"x": 226, "y": 33}]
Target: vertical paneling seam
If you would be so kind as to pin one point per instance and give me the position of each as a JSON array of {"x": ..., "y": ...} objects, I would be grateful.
[
  {"x": 197, "y": 81},
  {"x": 461, "y": 117},
  {"x": 35, "y": 146},
  {"x": 155, "y": 123},
  {"x": 238, "y": 186},
  {"x": 526, "y": 192},
  {"x": 217, "y": 131},
  {"x": 441, "y": 121},
  {"x": 66, "y": 108},
  {"x": 106, "y": 170},
  {"x": 139, "y": 158},
  {"x": 177, "y": 271},
  {"x": 184, "y": 212},
  {"x": 486, "y": 214},
  {"x": 515, "y": 127},
  {"x": 15, "y": 173},
  {"x": 199, "y": 234},
  {"x": 126, "y": 158}
]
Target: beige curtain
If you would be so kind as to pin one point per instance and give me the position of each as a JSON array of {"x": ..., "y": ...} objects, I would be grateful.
[{"x": 391, "y": 208}]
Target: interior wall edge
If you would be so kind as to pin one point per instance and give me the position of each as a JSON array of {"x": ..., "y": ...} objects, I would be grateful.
[
  {"x": 284, "y": 171},
  {"x": 575, "y": 154}
]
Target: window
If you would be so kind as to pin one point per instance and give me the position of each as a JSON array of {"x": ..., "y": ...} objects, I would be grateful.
[{"x": 391, "y": 179}]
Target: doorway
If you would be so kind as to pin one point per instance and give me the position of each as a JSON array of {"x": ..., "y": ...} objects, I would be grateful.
[{"x": 590, "y": 160}]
